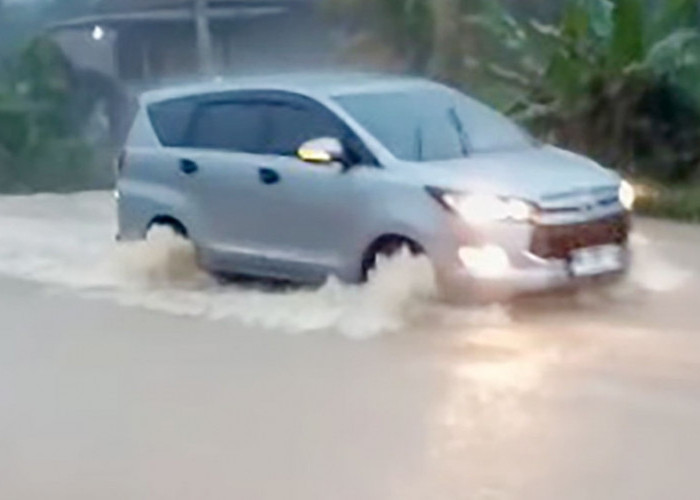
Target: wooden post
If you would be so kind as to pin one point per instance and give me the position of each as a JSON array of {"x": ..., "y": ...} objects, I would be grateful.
[{"x": 204, "y": 44}]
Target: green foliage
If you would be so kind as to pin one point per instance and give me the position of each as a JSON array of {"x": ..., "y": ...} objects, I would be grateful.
[
  {"x": 33, "y": 96},
  {"x": 40, "y": 125},
  {"x": 615, "y": 79},
  {"x": 678, "y": 201},
  {"x": 627, "y": 42},
  {"x": 40, "y": 145}
]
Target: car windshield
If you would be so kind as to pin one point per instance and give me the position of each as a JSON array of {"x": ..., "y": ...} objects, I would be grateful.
[{"x": 433, "y": 124}]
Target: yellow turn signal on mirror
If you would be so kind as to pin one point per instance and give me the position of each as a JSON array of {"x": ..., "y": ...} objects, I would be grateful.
[{"x": 314, "y": 156}]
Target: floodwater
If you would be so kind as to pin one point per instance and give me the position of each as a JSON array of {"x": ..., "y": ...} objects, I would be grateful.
[{"x": 125, "y": 373}]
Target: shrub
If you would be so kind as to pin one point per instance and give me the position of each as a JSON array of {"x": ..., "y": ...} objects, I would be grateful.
[
  {"x": 615, "y": 80},
  {"x": 41, "y": 145}
]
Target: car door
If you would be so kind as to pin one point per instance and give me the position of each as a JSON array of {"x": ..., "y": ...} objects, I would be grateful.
[
  {"x": 308, "y": 225},
  {"x": 224, "y": 166},
  {"x": 260, "y": 209}
]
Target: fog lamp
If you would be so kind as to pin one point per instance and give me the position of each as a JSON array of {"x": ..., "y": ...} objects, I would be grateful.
[{"x": 486, "y": 262}]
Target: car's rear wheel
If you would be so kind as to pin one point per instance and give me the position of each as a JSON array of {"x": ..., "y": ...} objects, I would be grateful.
[{"x": 164, "y": 222}]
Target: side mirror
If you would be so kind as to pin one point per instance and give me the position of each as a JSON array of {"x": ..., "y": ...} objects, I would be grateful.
[{"x": 323, "y": 151}]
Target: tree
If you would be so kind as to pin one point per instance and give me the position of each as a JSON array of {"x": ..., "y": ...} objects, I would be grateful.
[
  {"x": 613, "y": 79},
  {"x": 43, "y": 113}
]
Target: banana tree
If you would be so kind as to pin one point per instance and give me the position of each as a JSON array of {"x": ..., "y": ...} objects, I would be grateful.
[{"x": 613, "y": 78}]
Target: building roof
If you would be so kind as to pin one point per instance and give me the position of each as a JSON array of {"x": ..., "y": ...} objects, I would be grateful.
[
  {"x": 119, "y": 12},
  {"x": 121, "y": 6}
]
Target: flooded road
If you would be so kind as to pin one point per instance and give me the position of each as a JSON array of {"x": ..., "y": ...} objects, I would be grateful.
[{"x": 126, "y": 374}]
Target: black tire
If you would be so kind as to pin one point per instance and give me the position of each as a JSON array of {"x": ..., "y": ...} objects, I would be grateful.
[
  {"x": 387, "y": 247},
  {"x": 173, "y": 224}
]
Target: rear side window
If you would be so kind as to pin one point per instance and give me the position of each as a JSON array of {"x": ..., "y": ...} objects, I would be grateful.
[
  {"x": 171, "y": 120},
  {"x": 232, "y": 125}
]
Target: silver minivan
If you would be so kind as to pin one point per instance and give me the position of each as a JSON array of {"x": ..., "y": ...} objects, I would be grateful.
[{"x": 300, "y": 177}]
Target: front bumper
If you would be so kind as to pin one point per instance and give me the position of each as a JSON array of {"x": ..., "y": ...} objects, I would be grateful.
[
  {"x": 541, "y": 276},
  {"x": 534, "y": 267}
]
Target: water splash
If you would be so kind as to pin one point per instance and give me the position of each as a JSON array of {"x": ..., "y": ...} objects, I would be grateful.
[
  {"x": 652, "y": 272},
  {"x": 68, "y": 240}
]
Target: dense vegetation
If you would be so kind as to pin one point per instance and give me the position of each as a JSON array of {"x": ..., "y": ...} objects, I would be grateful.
[
  {"x": 614, "y": 79},
  {"x": 45, "y": 116},
  {"x": 46, "y": 111}
]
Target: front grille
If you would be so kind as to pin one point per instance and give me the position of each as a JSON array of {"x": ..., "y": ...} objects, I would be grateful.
[{"x": 557, "y": 242}]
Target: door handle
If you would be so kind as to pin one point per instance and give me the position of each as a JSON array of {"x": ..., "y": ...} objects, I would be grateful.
[
  {"x": 268, "y": 176},
  {"x": 188, "y": 167}
]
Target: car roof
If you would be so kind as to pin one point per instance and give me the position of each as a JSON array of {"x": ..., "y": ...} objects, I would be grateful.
[{"x": 310, "y": 84}]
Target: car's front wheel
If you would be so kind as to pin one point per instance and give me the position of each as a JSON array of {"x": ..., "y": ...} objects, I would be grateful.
[{"x": 387, "y": 247}]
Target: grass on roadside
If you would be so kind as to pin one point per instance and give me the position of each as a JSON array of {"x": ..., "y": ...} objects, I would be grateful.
[{"x": 679, "y": 202}]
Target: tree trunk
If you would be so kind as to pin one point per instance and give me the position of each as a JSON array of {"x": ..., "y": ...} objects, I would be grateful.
[
  {"x": 204, "y": 44},
  {"x": 446, "y": 60}
]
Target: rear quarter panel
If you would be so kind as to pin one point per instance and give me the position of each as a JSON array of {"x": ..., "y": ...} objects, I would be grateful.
[{"x": 148, "y": 183}]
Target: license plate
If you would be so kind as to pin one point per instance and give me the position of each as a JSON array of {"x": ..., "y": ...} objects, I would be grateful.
[{"x": 597, "y": 260}]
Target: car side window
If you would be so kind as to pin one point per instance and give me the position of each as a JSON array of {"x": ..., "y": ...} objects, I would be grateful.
[
  {"x": 229, "y": 125},
  {"x": 295, "y": 120},
  {"x": 171, "y": 119},
  {"x": 291, "y": 125}
]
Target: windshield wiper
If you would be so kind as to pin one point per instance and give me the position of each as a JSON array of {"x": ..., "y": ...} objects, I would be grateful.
[
  {"x": 419, "y": 143},
  {"x": 459, "y": 127}
]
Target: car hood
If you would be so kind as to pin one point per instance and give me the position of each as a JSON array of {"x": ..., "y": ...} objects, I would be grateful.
[{"x": 536, "y": 174}]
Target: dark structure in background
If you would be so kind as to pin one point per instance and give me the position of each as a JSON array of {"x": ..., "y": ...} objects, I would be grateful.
[
  {"x": 143, "y": 42},
  {"x": 124, "y": 46}
]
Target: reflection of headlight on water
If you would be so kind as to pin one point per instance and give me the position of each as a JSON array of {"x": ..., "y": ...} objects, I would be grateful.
[{"x": 494, "y": 392}]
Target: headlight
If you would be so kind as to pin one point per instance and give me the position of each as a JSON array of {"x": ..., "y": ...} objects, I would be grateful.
[
  {"x": 483, "y": 208},
  {"x": 627, "y": 195}
]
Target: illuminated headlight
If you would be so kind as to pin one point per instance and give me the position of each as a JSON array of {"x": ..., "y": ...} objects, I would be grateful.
[
  {"x": 627, "y": 195},
  {"x": 483, "y": 208}
]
